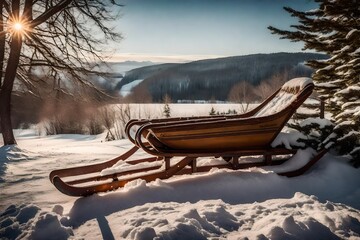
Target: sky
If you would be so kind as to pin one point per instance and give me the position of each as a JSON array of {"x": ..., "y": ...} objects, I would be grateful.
[{"x": 184, "y": 30}]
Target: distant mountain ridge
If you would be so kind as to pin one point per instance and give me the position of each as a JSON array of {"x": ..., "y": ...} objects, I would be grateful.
[{"x": 213, "y": 78}]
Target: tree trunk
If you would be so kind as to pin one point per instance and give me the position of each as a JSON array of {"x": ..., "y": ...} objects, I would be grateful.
[
  {"x": 6, "y": 90},
  {"x": 2, "y": 42}
]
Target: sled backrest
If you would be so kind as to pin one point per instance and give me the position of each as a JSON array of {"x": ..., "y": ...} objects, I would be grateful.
[{"x": 293, "y": 92}]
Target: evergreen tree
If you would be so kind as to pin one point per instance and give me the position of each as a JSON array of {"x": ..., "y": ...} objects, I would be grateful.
[
  {"x": 334, "y": 29},
  {"x": 315, "y": 132},
  {"x": 167, "y": 110},
  {"x": 212, "y": 112}
]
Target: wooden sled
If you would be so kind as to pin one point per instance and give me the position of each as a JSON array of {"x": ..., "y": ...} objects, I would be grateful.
[{"x": 226, "y": 137}]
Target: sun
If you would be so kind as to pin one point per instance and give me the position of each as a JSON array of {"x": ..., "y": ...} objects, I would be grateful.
[{"x": 18, "y": 26}]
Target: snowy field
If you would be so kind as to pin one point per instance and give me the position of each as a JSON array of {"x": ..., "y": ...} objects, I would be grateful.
[
  {"x": 156, "y": 110},
  {"x": 222, "y": 204}
]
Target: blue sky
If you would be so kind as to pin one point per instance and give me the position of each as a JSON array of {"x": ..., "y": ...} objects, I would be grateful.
[{"x": 178, "y": 30}]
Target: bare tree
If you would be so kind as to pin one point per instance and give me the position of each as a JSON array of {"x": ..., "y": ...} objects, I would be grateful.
[
  {"x": 242, "y": 93},
  {"x": 263, "y": 90},
  {"x": 269, "y": 86},
  {"x": 64, "y": 37}
]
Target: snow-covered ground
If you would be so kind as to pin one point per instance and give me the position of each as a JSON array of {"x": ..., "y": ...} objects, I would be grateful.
[{"x": 222, "y": 204}]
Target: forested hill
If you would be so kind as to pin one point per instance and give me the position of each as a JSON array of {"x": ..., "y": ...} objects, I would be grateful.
[{"x": 213, "y": 78}]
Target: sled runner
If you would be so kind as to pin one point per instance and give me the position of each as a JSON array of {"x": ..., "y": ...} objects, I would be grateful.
[{"x": 225, "y": 137}]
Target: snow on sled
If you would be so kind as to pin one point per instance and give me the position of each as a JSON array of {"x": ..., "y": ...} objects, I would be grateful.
[{"x": 225, "y": 137}]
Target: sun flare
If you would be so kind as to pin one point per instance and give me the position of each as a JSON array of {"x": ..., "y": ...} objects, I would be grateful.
[{"x": 18, "y": 26}]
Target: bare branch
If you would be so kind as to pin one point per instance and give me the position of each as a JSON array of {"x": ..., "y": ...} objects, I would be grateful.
[{"x": 50, "y": 12}]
